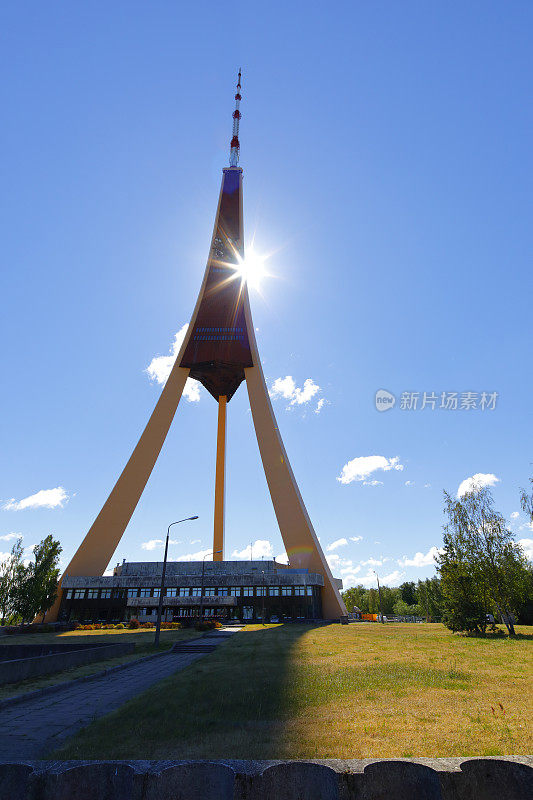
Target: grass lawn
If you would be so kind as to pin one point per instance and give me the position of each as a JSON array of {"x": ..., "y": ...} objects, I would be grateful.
[
  {"x": 362, "y": 690},
  {"x": 143, "y": 647}
]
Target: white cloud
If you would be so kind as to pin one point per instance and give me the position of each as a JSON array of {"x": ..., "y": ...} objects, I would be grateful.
[
  {"x": 336, "y": 544},
  {"x": 152, "y": 544},
  {"x": 45, "y": 498},
  {"x": 358, "y": 469},
  {"x": 356, "y": 538},
  {"x": 334, "y": 560},
  {"x": 286, "y": 388},
  {"x": 8, "y": 536},
  {"x": 477, "y": 481},
  {"x": 371, "y": 483},
  {"x": 367, "y": 580},
  {"x": 372, "y": 562},
  {"x": 393, "y": 578},
  {"x": 160, "y": 367},
  {"x": 409, "y": 483},
  {"x": 427, "y": 486},
  {"x": 514, "y": 515},
  {"x": 419, "y": 559},
  {"x": 283, "y": 558},
  {"x": 527, "y": 547},
  {"x": 320, "y": 405},
  {"x": 195, "y": 541},
  {"x": 261, "y": 547},
  {"x": 193, "y": 556}
]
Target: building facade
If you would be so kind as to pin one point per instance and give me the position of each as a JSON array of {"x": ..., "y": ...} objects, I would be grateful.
[{"x": 245, "y": 591}]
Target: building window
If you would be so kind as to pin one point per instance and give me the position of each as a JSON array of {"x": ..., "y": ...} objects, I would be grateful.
[
  {"x": 105, "y": 593},
  {"x": 235, "y": 591},
  {"x": 172, "y": 592},
  {"x": 196, "y": 592},
  {"x": 184, "y": 592},
  {"x": 247, "y": 591},
  {"x": 79, "y": 594},
  {"x": 92, "y": 594},
  {"x": 299, "y": 591},
  {"x": 286, "y": 590},
  {"x": 309, "y": 590},
  {"x": 156, "y": 593},
  {"x": 273, "y": 591},
  {"x": 144, "y": 592},
  {"x": 148, "y": 611},
  {"x": 261, "y": 591},
  {"x": 68, "y": 594},
  {"x": 209, "y": 592},
  {"x": 132, "y": 592},
  {"x": 247, "y": 612},
  {"x": 223, "y": 591}
]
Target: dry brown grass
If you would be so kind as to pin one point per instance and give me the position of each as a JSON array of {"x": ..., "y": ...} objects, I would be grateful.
[{"x": 364, "y": 690}]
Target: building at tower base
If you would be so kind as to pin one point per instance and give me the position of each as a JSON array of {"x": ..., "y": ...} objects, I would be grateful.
[{"x": 245, "y": 591}]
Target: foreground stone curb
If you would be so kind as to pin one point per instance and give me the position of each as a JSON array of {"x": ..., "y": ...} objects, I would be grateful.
[{"x": 509, "y": 778}]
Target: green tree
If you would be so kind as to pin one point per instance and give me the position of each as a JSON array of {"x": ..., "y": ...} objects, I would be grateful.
[
  {"x": 464, "y": 606},
  {"x": 403, "y": 609},
  {"x": 480, "y": 553},
  {"x": 353, "y": 597},
  {"x": 388, "y": 599},
  {"x": 430, "y": 599},
  {"x": 36, "y": 583},
  {"x": 408, "y": 592},
  {"x": 9, "y": 571},
  {"x": 526, "y": 501},
  {"x": 373, "y": 601}
]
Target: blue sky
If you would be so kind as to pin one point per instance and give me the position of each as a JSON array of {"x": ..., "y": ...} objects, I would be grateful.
[{"x": 387, "y": 165}]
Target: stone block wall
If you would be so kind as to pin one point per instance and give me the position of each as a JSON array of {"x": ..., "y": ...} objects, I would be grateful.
[
  {"x": 23, "y": 668},
  {"x": 415, "y": 779}
]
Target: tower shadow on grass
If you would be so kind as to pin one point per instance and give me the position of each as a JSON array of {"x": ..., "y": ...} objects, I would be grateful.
[{"x": 231, "y": 704}]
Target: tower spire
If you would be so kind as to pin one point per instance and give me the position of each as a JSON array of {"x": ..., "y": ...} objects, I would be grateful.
[{"x": 235, "y": 146}]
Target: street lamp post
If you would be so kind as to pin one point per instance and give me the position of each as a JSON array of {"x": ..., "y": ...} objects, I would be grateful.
[
  {"x": 379, "y": 596},
  {"x": 263, "y": 599},
  {"x": 162, "y": 589},
  {"x": 202, "y": 587}
]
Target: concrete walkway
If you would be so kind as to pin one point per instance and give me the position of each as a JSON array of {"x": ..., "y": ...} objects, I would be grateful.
[{"x": 31, "y": 729}]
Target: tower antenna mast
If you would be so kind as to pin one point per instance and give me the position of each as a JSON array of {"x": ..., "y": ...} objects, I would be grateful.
[{"x": 235, "y": 146}]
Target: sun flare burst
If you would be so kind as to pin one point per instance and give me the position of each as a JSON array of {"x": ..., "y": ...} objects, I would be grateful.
[{"x": 252, "y": 268}]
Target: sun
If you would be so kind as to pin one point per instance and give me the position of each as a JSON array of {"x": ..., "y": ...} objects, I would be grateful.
[{"x": 252, "y": 269}]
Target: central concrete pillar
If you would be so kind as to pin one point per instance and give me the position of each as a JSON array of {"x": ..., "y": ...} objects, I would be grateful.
[{"x": 220, "y": 482}]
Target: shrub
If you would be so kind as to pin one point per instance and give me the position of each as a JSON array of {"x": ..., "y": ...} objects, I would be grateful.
[
  {"x": 208, "y": 625},
  {"x": 97, "y": 626},
  {"x": 134, "y": 623},
  {"x": 109, "y": 626},
  {"x": 120, "y": 626},
  {"x": 147, "y": 625}
]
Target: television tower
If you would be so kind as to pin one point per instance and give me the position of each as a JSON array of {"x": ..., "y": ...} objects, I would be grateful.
[{"x": 220, "y": 351}]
